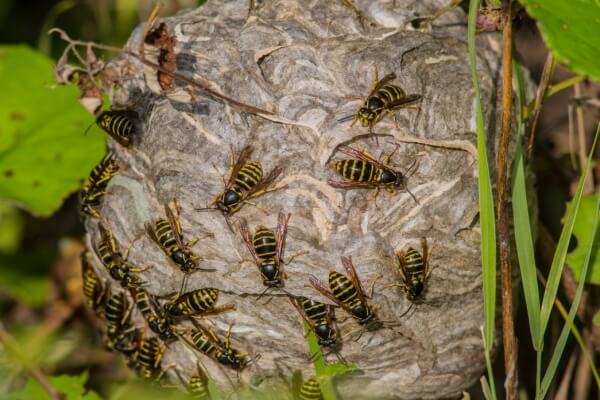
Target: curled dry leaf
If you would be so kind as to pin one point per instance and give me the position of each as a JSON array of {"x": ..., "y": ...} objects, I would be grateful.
[{"x": 164, "y": 52}]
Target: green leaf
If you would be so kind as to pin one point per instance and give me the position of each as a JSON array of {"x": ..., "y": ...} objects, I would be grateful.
[
  {"x": 325, "y": 372},
  {"x": 25, "y": 276},
  {"x": 570, "y": 30},
  {"x": 73, "y": 386},
  {"x": 486, "y": 203},
  {"x": 596, "y": 319},
  {"x": 44, "y": 154},
  {"x": 12, "y": 225},
  {"x": 558, "y": 261},
  {"x": 582, "y": 230}
]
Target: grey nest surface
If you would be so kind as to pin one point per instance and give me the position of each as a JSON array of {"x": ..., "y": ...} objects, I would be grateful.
[{"x": 306, "y": 62}]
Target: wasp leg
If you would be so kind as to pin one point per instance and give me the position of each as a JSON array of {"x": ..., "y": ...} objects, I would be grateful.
[
  {"x": 196, "y": 240},
  {"x": 294, "y": 256},
  {"x": 372, "y": 286}
]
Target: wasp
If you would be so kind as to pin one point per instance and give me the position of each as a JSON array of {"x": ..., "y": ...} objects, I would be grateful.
[
  {"x": 197, "y": 386},
  {"x": 347, "y": 292},
  {"x": 413, "y": 268},
  {"x": 92, "y": 193},
  {"x": 245, "y": 182},
  {"x": 190, "y": 304},
  {"x": 310, "y": 390},
  {"x": 119, "y": 331},
  {"x": 267, "y": 249},
  {"x": 207, "y": 342},
  {"x": 93, "y": 291},
  {"x": 168, "y": 235},
  {"x": 364, "y": 172},
  {"x": 148, "y": 358},
  {"x": 321, "y": 321},
  {"x": 116, "y": 263},
  {"x": 385, "y": 98},
  {"x": 151, "y": 312},
  {"x": 119, "y": 124}
]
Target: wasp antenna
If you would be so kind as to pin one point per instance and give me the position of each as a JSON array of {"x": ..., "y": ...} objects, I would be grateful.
[
  {"x": 406, "y": 312},
  {"x": 346, "y": 118},
  {"x": 412, "y": 195}
]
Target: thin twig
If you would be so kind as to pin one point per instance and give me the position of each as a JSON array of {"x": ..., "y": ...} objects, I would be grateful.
[
  {"x": 508, "y": 330},
  {"x": 463, "y": 145},
  {"x": 33, "y": 371},
  {"x": 562, "y": 393},
  {"x": 583, "y": 372},
  {"x": 547, "y": 73},
  {"x": 204, "y": 87}
]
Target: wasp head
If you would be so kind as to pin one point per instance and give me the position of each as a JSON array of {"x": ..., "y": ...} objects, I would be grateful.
[{"x": 366, "y": 116}]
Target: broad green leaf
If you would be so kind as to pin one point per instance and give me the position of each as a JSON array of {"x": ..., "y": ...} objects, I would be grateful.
[
  {"x": 44, "y": 154},
  {"x": 582, "y": 230},
  {"x": 12, "y": 225},
  {"x": 570, "y": 30},
  {"x": 486, "y": 203},
  {"x": 25, "y": 276},
  {"x": 73, "y": 386}
]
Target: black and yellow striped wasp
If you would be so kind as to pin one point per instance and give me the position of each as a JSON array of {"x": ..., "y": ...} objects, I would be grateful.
[
  {"x": 385, "y": 98},
  {"x": 195, "y": 303},
  {"x": 321, "y": 320},
  {"x": 197, "y": 386},
  {"x": 92, "y": 193},
  {"x": 310, "y": 390},
  {"x": 206, "y": 341},
  {"x": 347, "y": 292},
  {"x": 94, "y": 293},
  {"x": 152, "y": 313},
  {"x": 364, "y": 172},
  {"x": 148, "y": 358},
  {"x": 245, "y": 182},
  {"x": 119, "y": 269},
  {"x": 413, "y": 268},
  {"x": 119, "y": 124},
  {"x": 267, "y": 250},
  {"x": 169, "y": 237},
  {"x": 119, "y": 331}
]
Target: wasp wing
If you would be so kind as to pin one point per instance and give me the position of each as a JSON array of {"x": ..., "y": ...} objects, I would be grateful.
[
  {"x": 244, "y": 231},
  {"x": 351, "y": 184},
  {"x": 282, "y": 223},
  {"x": 320, "y": 286},
  {"x": 263, "y": 184},
  {"x": 388, "y": 78},
  {"x": 361, "y": 155},
  {"x": 175, "y": 226},
  {"x": 349, "y": 267},
  {"x": 404, "y": 101},
  {"x": 235, "y": 168}
]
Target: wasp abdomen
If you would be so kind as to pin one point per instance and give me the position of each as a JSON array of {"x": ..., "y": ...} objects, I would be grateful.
[
  {"x": 310, "y": 390},
  {"x": 342, "y": 287},
  {"x": 356, "y": 170}
]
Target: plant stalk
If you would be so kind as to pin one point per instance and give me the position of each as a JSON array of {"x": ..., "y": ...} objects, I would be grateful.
[{"x": 508, "y": 330}]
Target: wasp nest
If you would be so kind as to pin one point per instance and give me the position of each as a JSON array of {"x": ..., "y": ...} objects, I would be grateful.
[{"x": 301, "y": 67}]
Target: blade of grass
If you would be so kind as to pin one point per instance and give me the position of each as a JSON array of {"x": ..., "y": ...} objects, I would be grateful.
[
  {"x": 558, "y": 262},
  {"x": 569, "y": 326},
  {"x": 486, "y": 205},
  {"x": 522, "y": 227}
]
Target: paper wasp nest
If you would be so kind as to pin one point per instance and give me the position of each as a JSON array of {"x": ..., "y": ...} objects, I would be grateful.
[{"x": 306, "y": 62}]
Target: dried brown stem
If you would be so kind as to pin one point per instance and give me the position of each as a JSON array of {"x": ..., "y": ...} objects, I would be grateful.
[
  {"x": 547, "y": 73},
  {"x": 204, "y": 87},
  {"x": 11, "y": 344},
  {"x": 508, "y": 331},
  {"x": 583, "y": 373}
]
